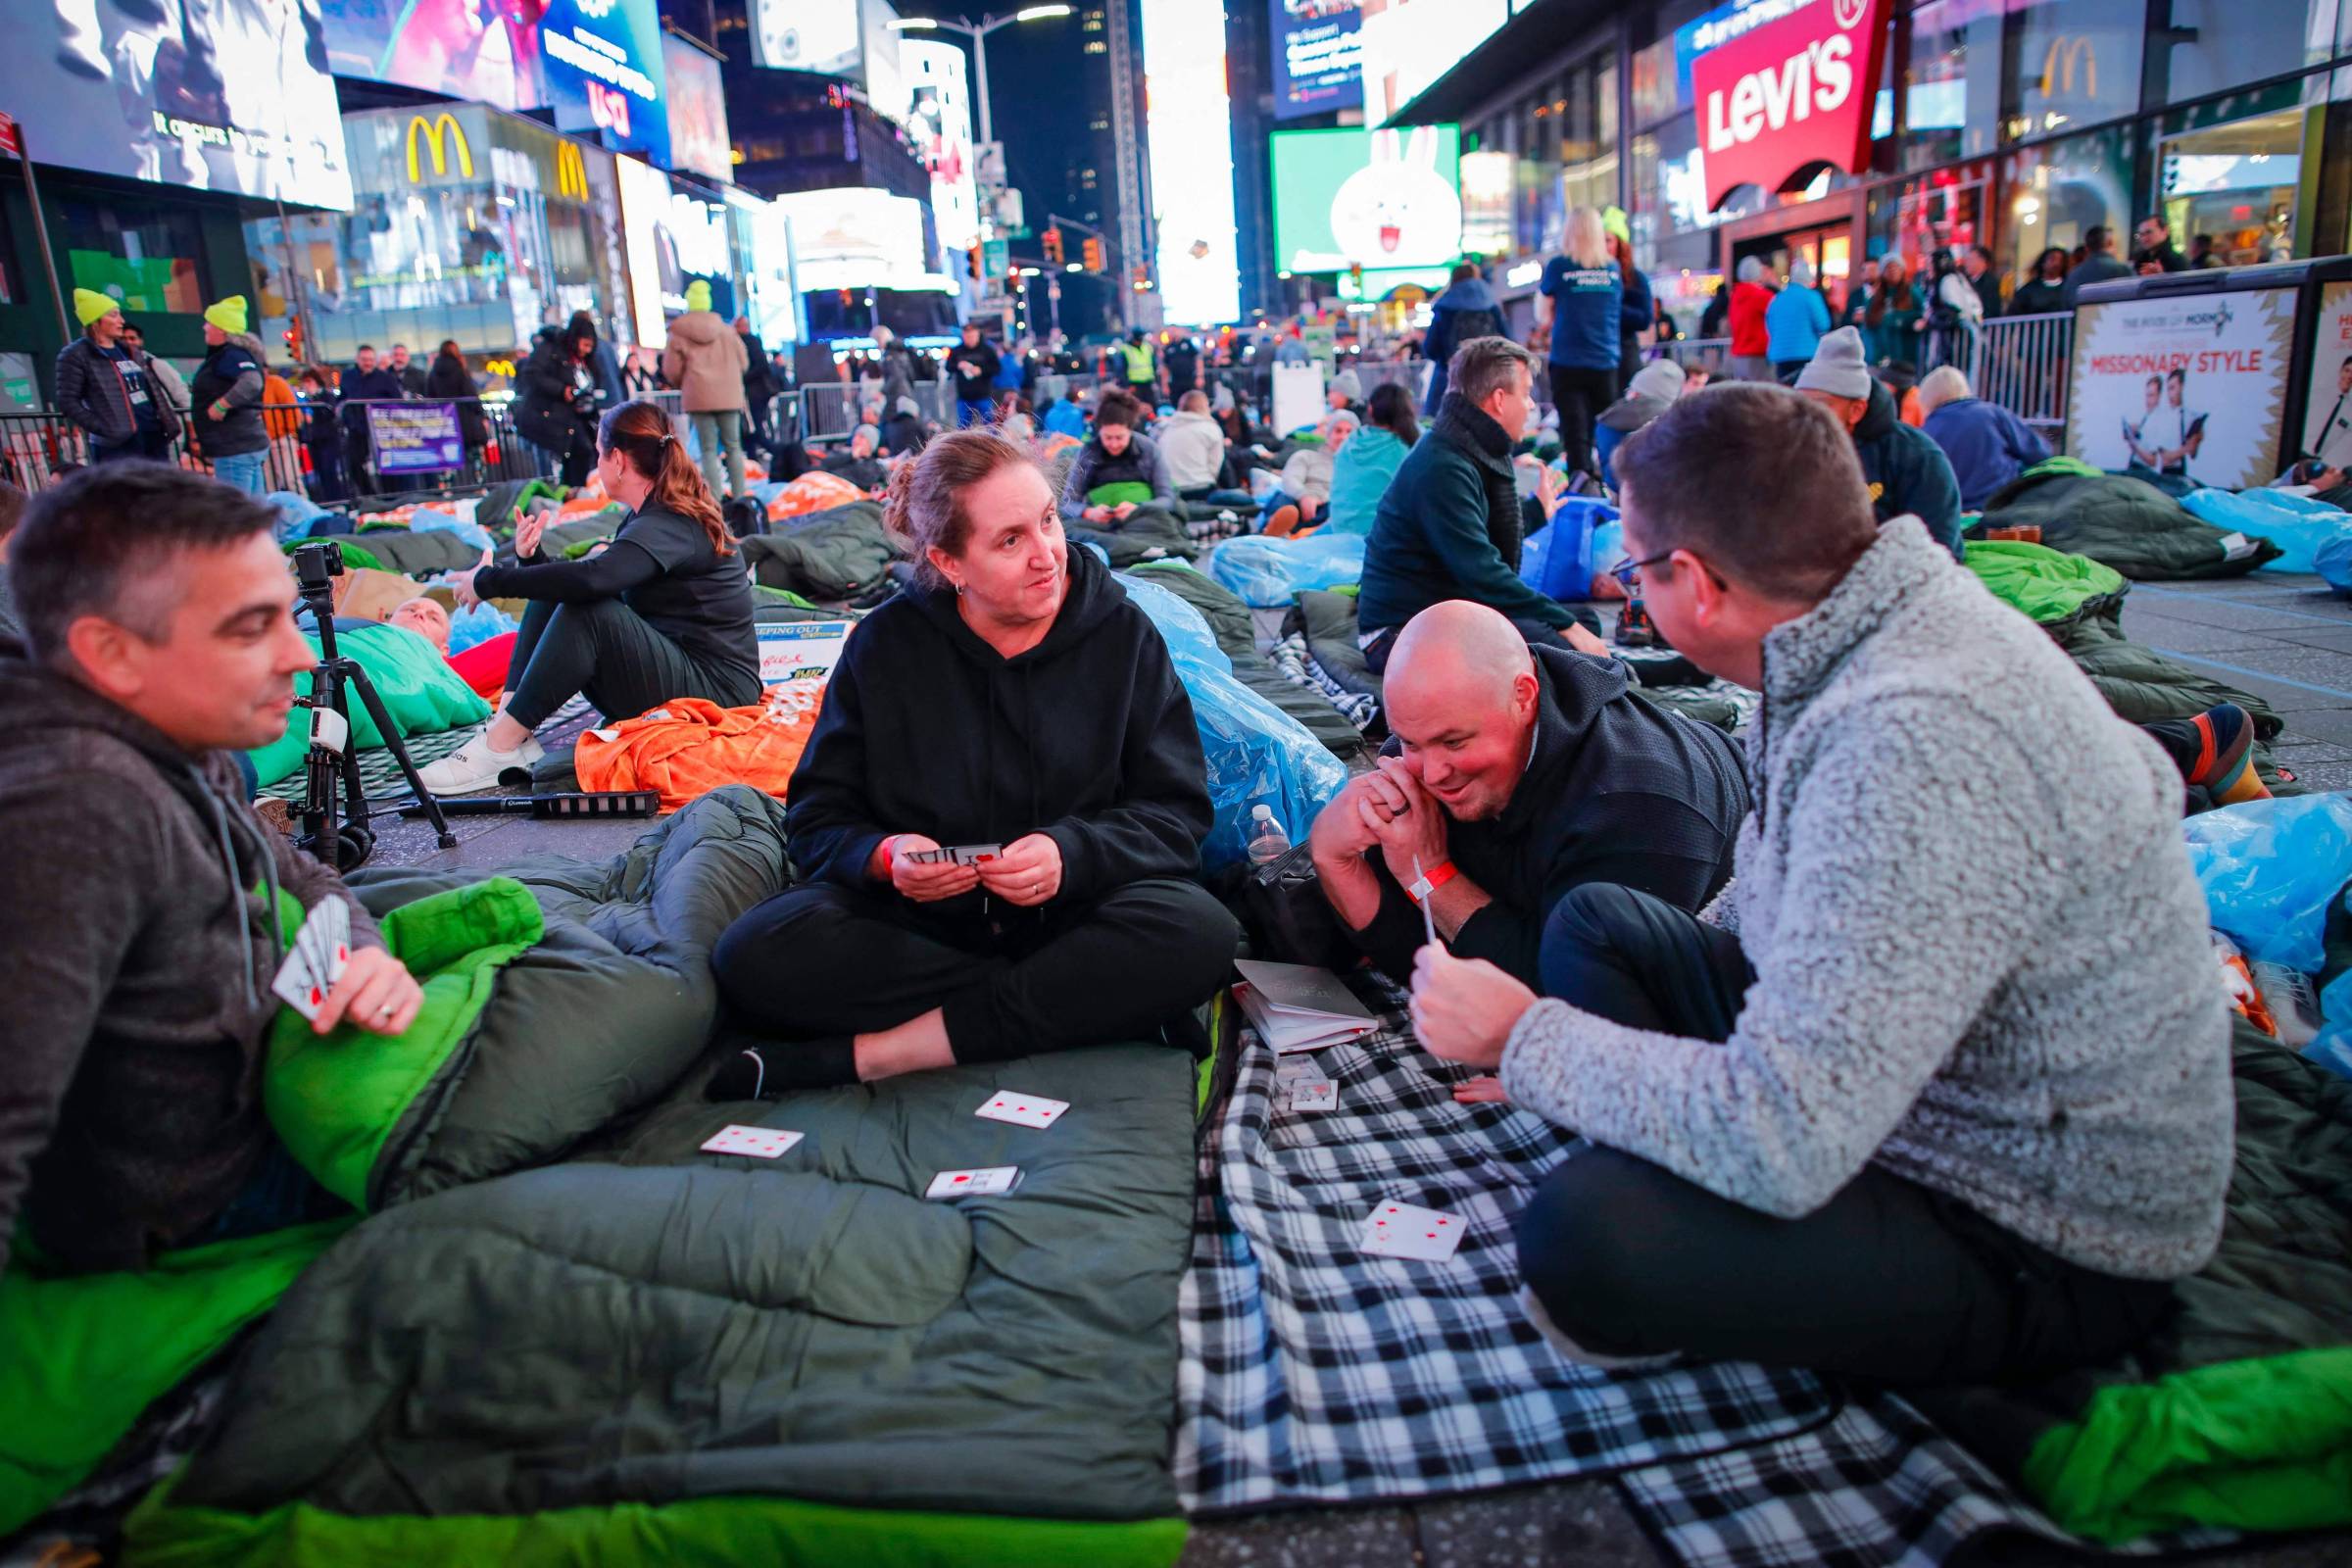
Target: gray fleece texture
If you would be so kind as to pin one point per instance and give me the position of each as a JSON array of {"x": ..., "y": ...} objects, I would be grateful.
[{"x": 1981, "y": 959}]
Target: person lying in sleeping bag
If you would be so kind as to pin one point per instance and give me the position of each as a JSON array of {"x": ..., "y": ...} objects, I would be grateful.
[
  {"x": 1938, "y": 1091},
  {"x": 1516, "y": 773},
  {"x": 1014, "y": 709},
  {"x": 665, "y": 612},
  {"x": 483, "y": 668},
  {"x": 142, "y": 931}
]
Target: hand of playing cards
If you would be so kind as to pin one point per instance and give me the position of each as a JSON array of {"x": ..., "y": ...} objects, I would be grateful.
[
  {"x": 329, "y": 982},
  {"x": 924, "y": 870}
]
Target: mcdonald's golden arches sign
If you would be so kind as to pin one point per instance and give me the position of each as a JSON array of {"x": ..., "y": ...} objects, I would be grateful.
[{"x": 442, "y": 131}]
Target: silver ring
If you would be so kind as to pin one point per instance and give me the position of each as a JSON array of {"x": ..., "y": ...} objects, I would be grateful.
[{"x": 386, "y": 1012}]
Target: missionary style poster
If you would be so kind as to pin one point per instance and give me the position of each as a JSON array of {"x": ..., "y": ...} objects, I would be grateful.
[
  {"x": 2192, "y": 387},
  {"x": 2328, "y": 402}
]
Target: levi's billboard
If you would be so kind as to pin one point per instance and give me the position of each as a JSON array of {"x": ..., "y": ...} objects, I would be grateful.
[{"x": 1789, "y": 87}]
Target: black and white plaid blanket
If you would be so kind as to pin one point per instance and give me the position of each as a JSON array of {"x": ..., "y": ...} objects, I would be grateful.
[
  {"x": 1878, "y": 1485},
  {"x": 1312, "y": 1372}
]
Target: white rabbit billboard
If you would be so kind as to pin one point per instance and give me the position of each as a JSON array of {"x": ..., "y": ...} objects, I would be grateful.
[{"x": 1373, "y": 199}]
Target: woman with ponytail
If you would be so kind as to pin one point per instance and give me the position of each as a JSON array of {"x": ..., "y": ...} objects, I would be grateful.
[
  {"x": 664, "y": 611},
  {"x": 999, "y": 816}
]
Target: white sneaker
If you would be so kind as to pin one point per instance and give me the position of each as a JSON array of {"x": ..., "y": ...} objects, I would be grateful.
[
  {"x": 476, "y": 766},
  {"x": 1573, "y": 1351}
]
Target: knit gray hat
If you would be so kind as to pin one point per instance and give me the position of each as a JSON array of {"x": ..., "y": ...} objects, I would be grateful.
[
  {"x": 1838, "y": 368},
  {"x": 1659, "y": 378}
]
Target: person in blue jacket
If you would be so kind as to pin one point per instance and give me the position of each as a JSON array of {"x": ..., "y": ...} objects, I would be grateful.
[
  {"x": 1908, "y": 472},
  {"x": 1986, "y": 445},
  {"x": 1464, "y": 311},
  {"x": 1794, "y": 321},
  {"x": 1588, "y": 300}
]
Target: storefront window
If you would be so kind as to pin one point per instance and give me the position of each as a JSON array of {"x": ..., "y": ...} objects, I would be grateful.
[
  {"x": 2234, "y": 187},
  {"x": 1945, "y": 210},
  {"x": 2211, "y": 46},
  {"x": 145, "y": 255},
  {"x": 1673, "y": 228},
  {"x": 2054, "y": 193},
  {"x": 1952, "y": 83},
  {"x": 2076, "y": 62}
]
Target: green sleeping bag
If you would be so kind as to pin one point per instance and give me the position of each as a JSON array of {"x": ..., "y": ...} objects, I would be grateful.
[{"x": 421, "y": 692}]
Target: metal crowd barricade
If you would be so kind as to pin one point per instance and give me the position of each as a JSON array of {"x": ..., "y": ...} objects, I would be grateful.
[{"x": 2022, "y": 362}]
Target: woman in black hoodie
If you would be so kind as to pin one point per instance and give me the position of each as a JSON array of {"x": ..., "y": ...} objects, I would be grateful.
[{"x": 1014, "y": 699}]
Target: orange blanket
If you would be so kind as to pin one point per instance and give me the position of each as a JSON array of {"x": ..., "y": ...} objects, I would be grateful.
[
  {"x": 813, "y": 492},
  {"x": 689, "y": 747}
]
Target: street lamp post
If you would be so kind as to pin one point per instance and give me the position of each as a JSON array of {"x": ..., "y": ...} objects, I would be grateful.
[{"x": 978, "y": 32}]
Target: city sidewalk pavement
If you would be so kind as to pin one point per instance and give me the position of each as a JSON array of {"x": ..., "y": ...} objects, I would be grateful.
[{"x": 2286, "y": 639}]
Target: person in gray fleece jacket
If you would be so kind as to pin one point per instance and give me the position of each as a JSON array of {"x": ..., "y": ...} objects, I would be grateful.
[{"x": 1939, "y": 1089}]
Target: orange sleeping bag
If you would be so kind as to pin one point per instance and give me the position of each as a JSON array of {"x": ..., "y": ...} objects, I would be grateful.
[
  {"x": 813, "y": 492},
  {"x": 689, "y": 747}
]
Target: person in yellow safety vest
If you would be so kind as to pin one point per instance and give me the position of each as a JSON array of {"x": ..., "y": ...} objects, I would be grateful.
[{"x": 1143, "y": 370}]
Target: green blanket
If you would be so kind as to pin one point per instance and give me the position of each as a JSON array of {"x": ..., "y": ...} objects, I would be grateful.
[
  {"x": 2049, "y": 585},
  {"x": 421, "y": 692},
  {"x": 2239, "y": 1411}
]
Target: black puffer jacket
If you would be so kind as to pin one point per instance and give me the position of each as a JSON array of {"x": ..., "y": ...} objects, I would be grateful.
[
  {"x": 231, "y": 375},
  {"x": 552, "y": 385}
]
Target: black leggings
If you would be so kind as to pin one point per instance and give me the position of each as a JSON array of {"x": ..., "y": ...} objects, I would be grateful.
[
  {"x": 823, "y": 960},
  {"x": 624, "y": 665},
  {"x": 1580, "y": 396},
  {"x": 1888, "y": 1280}
]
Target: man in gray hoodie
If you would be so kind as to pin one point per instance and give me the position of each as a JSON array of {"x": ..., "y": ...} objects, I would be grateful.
[
  {"x": 1939, "y": 1089},
  {"x": 141, "y": 935}
]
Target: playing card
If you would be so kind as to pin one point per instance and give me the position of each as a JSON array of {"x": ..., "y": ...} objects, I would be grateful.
[
  {"x": 973, "y": 853},
  {"x": 924, "y": 857},
  {"x": 759, "y": 1143},
  {"x": 1023, "y": 1111},
  {"x": 330, "y": 948},
  {"x": 298, "y": 981},
  {"x": 1429, "y": 922},
  {"x": 965, "y": 1182},
  {"x": 1402, "y": 1230},
  {"x": 1323, "y": 1096},
  {"x": 1298, "y": 1070}
]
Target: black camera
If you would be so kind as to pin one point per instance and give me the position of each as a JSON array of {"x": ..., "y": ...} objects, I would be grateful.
[{"x": 316, "y": 567}]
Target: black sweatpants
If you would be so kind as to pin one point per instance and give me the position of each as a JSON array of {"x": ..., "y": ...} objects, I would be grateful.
[
  {"x": 1580, "y": 396},
  {"x": 603, "y": 648},
  {"x": 1890, "y": 1280},
  {"x": 824, "y": 961}
]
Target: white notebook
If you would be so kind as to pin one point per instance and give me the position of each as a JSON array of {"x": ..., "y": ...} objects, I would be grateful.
[{"x": 1296, "y": 1007}]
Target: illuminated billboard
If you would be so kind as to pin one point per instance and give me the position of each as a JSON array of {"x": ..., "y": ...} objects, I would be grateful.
[
  {"x": 697, "y": 110},
  {"x": 477, "y": 53},
  {"x": 1189, "y": 130},
  {"x": 1409, "y": 44},
  {"x": 1374, "y": 199},
  {"x": 604, "y": 70},
  {"x": 820, "y": 35},
  {"x": 858, "y": 238},
  {"x": 939, "y": 116},
  {"x": 1318, "y": 56},
  {"x": 219, "y": 98}
]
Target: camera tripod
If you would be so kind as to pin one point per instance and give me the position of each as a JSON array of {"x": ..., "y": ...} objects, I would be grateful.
[{"x": 332, "y": 759}]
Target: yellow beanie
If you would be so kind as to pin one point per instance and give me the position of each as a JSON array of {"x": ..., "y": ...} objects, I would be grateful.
[
  {"x": 227, "y": 314},
  {"x": 698, "y": 295},
  {"x": 1613, "y": 221},
  {"x": 89, "y": 305}
]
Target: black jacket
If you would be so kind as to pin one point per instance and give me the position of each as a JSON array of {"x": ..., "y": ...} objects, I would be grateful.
[
  {"x": 1618, "y": 790},
  {"x": 90, "y": 392},
  {"x": 1088, "y": 737},
  {"x": 1908, "y": 472},
  {"x": 551, "y": 384},
  {"x": 230, "y": 375},
  {"x": 450, "y": 381},
  {"x": 2034, "y": 297},
  {"x": 137, "y": 974}
]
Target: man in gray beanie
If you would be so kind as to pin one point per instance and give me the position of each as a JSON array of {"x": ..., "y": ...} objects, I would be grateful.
[
  {"x": 1908, "y": 472},
  {"x": 1647, "y": 396}
]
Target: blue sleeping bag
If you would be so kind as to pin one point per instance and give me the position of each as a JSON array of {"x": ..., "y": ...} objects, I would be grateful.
[
  {"x": 1257, "y": 754},
  {"x": 2297, "y": 524},
  {"x": 1268, "y": 573}
]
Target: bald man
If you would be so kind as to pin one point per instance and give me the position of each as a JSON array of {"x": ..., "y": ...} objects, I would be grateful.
[{"x": 1515, "y": 774}]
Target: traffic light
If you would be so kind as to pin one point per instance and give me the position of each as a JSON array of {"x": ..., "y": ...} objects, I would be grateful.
[
  {"x": 973, "y": 256},
  {"x": 1052, "y": 240},
  {"x": 1093, "y": 254}
]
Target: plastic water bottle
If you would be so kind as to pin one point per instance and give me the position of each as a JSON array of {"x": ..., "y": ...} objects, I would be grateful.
[{"x": 1269, "y": 843}]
